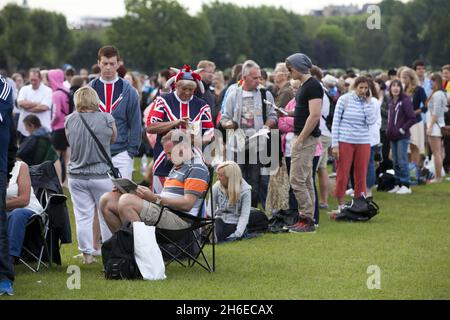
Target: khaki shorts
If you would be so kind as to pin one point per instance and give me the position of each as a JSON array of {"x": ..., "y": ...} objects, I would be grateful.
[
  {"x": 170, "y": 221},
  {"x": 323, "y": 161},
  {"x": 418, "y": 136}
]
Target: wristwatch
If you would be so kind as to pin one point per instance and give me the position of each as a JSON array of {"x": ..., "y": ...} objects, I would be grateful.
[{"x": 158, "y": 200}]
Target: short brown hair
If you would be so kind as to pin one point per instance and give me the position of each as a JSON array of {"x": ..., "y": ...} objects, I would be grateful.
[
  {"x": 205, "y": 63},
  {"x": 108, "y": 52},
  {"x": 32, "y": 120},
  {"x": 316, "y": 72},
  {"x": 35, "y": 71},
  {"x": 359, "y": 80},
  {"x": 446, "y": 67}
]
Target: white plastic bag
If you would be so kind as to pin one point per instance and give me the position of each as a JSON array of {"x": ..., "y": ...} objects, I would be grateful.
[{"x": 147, "y": 253}]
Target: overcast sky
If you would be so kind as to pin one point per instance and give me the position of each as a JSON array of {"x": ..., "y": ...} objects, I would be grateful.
[{"x": 74, "y": 9}]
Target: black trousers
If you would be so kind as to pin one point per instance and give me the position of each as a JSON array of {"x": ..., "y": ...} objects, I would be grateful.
[{"x": 6, "y": 268}]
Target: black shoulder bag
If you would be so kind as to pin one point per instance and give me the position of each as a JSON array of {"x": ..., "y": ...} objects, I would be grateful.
[{"x": 114, "y": 171}]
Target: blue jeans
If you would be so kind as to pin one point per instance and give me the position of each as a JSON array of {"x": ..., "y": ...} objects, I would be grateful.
[
  {"x": 17, "y": 222},
  {"x": 400, "y": 158},
  {"x": 6, "y": 268},
  {"x": 371, "y": 175}
]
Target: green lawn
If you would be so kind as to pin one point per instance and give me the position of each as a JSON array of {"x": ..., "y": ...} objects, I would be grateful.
[{"x": 409, "y": 241}]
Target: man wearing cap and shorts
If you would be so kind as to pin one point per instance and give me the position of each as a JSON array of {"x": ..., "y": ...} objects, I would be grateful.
[
  {"x": 306, "y": 129},
  {"x": 184, "y": 190}
]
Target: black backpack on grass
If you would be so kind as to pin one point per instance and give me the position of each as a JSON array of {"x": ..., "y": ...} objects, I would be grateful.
[
  {"x": 257, "y": 221},
  {"x": 118, "y": 255},
  {"x": 282, "y": 218},
  {"x": 359, "y": 210}
]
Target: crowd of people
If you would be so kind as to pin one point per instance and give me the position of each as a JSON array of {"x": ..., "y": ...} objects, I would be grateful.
[{"x": 92, "y": 125}]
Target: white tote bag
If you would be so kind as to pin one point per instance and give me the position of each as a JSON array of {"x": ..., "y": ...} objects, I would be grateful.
[{"x": 147, "y": 253}]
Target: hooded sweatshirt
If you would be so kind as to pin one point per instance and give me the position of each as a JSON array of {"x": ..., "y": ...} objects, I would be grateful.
[
  {"x": 401, "y": 116},
  {"x": 31, "y": 151},
  {"x": 238, "y": 213},
  {"x": 60, "y": 98},
  {"x": 128, "y": 118}
]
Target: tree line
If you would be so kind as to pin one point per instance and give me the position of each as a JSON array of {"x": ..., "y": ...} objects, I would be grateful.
[{"x": 155, "y": 34}]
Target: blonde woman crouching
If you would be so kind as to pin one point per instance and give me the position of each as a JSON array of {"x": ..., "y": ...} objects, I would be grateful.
[{"x": 232, "y": 201}]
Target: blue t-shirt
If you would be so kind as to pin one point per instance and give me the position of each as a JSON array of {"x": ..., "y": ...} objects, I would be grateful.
[{"x": 6, "y": 107}]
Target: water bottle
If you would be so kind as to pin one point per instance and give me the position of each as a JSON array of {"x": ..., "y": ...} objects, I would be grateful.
[{"x": 144, "y": 163}]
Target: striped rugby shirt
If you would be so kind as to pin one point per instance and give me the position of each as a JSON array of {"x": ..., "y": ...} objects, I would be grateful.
[
  {"x": 192, "y": 177},
  {"x": 351, "y": 120}
]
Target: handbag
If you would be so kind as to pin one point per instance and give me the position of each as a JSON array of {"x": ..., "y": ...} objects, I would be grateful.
[
  {"x": 445, "y": 131},
  {"x": 113, "y": 170},
  {"x": 147, "y": 252}
]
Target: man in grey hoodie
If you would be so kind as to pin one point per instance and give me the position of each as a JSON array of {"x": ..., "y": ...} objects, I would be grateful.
[{"x": 121, "y": 100}]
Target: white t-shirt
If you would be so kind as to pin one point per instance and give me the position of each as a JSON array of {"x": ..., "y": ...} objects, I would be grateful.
[
  {"x": 324, "y": 114},
  {"x": 248, "y": 110},
  {"x": 13, "y": 190},
  {"x": 374, "y": 129},
  {"x": 43, "y": 95}
]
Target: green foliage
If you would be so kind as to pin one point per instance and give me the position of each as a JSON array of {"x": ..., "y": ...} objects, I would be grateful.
[
  {"x": 331, "y": 47},
  {"x": 33, "y": 38},
  {"x": 230, "y": 33},
  {"x": 86, "y": 49},
  {"x": 158, "y": 34}
]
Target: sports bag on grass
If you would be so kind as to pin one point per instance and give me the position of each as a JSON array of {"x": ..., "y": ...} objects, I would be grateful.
[
  {"x": 359, "y": 210},
  {"x": 118, "y": 255}
]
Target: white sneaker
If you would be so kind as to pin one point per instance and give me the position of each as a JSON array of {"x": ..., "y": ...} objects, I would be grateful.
[
  {"x": 350, "y": 192},
  {"x": 404, "y": 190},
  {"x": 394, "y": 190}
]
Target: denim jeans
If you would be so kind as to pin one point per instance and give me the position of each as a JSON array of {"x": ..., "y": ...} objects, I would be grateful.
[
  {"x": 6, "y": 268},
  {"x": 400, "y": 158},
  {"x": 17, "y": 222},
  {"x": 371, "y": 175}
]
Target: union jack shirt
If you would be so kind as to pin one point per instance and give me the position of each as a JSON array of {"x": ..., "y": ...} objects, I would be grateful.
[
  {"x": 109, "y": 92},
  {"x": 169, "y": 108}
]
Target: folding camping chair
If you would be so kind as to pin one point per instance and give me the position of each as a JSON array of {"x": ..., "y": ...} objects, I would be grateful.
[
  {"x": 42, "y": 221},
  {"x": 197, "y": 240},
  {"x": 43, "y": 230}
]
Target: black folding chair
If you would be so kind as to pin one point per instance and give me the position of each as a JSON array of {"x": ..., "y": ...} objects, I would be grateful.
[
  {"x": 37, "y": 230},
  {"x": 201, "y": 230}
]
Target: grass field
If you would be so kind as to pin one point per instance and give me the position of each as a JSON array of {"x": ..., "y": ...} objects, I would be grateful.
[{"x": 409, "y": 241}]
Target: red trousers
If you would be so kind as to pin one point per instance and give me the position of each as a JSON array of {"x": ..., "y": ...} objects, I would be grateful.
[{"x": 359, "y": 155}]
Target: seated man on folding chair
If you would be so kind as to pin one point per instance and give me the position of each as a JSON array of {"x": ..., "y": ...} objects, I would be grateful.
[
  {"x": 184, "y": 190},
  {"x": 21, "y": 204}
]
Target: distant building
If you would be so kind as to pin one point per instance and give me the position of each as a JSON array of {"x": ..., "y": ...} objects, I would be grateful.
[
  {"x": 91, "y": 23},
  {"x": 330, "y": 11},
  {"x": 316, "y": 13}
]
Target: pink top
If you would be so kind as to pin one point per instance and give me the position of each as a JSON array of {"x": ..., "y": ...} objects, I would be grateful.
[
  {"x": 286, "y": 125},
  {"x": 60, "y": 98}
]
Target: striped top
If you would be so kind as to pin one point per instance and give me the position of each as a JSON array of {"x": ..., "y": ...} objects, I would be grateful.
[
  {"x": 351, "y": 120},
  {"x": 192, "y": 177}
]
